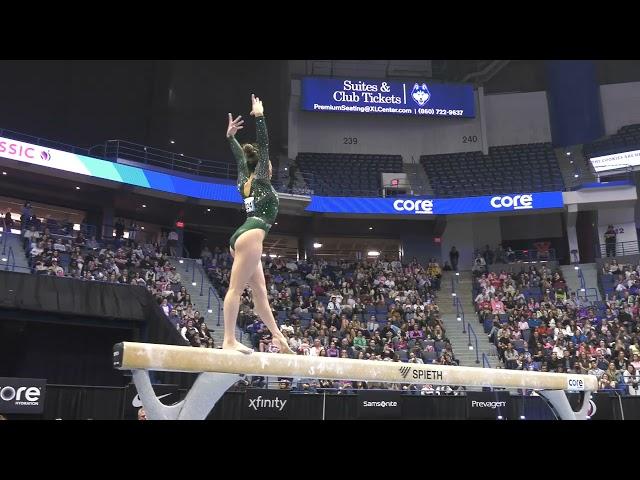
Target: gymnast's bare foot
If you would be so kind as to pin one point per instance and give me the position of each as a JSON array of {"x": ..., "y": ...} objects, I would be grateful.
[
  {"x": 236, "y": 346},
  {"x": 284, "y": 346}
]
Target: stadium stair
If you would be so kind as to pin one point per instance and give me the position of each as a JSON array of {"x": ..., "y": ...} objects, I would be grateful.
[
  {"x": 460, "y": 341},
  {"x": 200, "y": 302}
]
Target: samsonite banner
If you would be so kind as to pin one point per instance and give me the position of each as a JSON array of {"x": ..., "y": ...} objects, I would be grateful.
[{"x": 379, "y": 404}]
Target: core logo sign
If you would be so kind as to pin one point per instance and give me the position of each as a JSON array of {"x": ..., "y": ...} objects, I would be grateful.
[
  {"x": 21, "y": 395},
  {"x": 575, "y": 384},
  {"x": 418, "y": 207},
  {"x": 515, "y": 202}
]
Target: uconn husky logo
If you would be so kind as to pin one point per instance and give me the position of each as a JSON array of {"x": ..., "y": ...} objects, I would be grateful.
[{"x": 420, "y": 94}]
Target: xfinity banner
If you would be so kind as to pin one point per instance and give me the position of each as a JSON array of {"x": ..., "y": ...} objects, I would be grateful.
[
  {"x": 419, "y": 98},
  {"x": 488, "y": 405},
  {"x": 379, "y": 404},
  {"x": 22, "y": 395},
  {"x": 436, "y": 206},
  {"x": 261, "y": 403}
]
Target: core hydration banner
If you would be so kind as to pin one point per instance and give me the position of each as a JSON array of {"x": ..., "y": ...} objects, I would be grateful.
[
  {"x": 93, "y": 167},
  {"x": 382, "y": 96},
  {"x": 436, "y": 206},
  {"x": 22, "y": 395}
]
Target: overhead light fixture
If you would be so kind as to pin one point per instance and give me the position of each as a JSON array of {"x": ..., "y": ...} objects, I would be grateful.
[
  {"x": 370, "y": 228},
  {"x": 285, "y": 169},
  {"x": 276, "y": 223},
  {"x": 272, "y": 255},
  {"x": 576, "y": 268},
  {"x": 180, "y": 261},
  {"x": 208, "y": 209},
  {"x": 470, "y": 347},
  {"x": 568, "y": 154},
  {"x": 141, "y": 228},
  {"x": 576, "y": 175},
  {"x": 144, "y": 206},
  {"x": 264, "y": 254},
  {"x": 194, "y": 283},
  {"x": 77, "y": 188},
  {"x": 373, "y": 253},
  {"x": 4, "y": 259},
  {"x": 182, "y": 154},
  {"x": 457, "y": 274},
  {"x": 499, "y": 417},
  {"x": 317, "y": 245},
  {"x": 522, "y": 417},
  {"x": 4, "y": 173},
  {"x": 209, "y": 311},
  {"x": 172, "y": 141},
  {"x": 571, "y": 162}
]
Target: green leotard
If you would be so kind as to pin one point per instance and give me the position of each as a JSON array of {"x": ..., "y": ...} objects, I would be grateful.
[{"x": 262, "y": 203}]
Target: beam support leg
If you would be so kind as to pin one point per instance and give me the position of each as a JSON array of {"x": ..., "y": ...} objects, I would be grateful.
[
  {"x": 200, "y": 400},
  {"x": 560, "y": 403}
]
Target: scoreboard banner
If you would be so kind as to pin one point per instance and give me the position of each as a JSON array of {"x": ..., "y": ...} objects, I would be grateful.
[
  {"x": 436, "y": 206},
  {"x": 417, "y": 98}
]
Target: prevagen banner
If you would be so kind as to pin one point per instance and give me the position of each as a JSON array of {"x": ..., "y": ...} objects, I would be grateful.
[
  {"x": 616, "y": 161},
  {"x": 323, "y": 94},
  {"x": 436, "y": 206},
  {"x": 93, "y": 167}
]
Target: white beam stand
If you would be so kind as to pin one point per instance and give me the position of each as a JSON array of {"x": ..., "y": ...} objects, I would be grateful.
[
  {"x": 560, "y": 404},
  {"x": 200, "y": 400}
]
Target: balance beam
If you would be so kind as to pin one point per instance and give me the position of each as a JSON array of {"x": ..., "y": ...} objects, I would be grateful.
[{"x": 220, "y": 369}]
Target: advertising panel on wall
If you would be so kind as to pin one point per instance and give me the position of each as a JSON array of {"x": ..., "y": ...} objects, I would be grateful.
[
  {"x": 374, "y": 404},
  {"x": 22, "y": 395},
  {"x": 376, "y": 96},
  {"x": 489, "y": 405},
  {"x": 436, "y": 206},
  {"x": 263, "y": 403},
  {"x": 616, "y": 161},
  {"x": 106, "y": 170}
]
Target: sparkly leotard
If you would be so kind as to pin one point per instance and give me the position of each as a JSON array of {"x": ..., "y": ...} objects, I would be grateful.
[{"x": 262, "y": 203}]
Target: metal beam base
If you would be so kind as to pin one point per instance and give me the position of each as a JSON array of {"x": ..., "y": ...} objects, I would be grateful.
[
  {"x": 560, "y": 404},
  {"x": 200, "y": 400}
]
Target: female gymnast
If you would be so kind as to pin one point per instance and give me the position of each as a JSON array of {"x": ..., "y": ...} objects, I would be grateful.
[{"x": 261, "y": 206}]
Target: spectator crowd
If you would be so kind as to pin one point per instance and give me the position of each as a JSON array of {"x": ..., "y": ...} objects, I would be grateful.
[{"x": 535, "y": 323}]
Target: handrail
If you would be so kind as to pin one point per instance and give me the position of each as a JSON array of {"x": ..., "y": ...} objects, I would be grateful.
[
  {"x": 476, "y": 338},
  {"x": 215, "y": 295},
  {"x": 457, "y": 304},
  {"x": 621, "y": 249},
  {"x": 485, "y": 361},
  {"x": 5, "y": 234},
  {"x": 9, "y": 257}
]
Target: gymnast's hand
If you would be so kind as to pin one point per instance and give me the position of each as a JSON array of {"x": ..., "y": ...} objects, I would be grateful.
[
  {"x": 234, "y": 125},
  {"x": 257, "y": 110}
]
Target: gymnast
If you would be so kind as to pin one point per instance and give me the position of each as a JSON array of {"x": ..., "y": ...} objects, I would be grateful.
[{"x": 261, "y": 205}]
